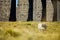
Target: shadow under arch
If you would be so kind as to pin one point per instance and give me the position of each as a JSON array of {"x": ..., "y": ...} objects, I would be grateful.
[
  {"x": 43, "y": 10},
  {"x": 13, "y": 11},
  {"x": 54, "y": 2},
  {"x": 30, "y": 12}
]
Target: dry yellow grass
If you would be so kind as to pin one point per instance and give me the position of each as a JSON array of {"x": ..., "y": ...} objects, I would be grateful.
[{"x": 29, "y": 31}]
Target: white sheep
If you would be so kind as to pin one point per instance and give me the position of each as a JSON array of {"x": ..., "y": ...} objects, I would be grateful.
[{"x": 42, "y": 26}]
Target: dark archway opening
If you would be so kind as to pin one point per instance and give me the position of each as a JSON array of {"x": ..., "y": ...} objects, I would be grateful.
[
  {"x": 43, "y": 10},
  {"x": 54, "y": 2},
  {"x": 13, "y": 11},
  {"x": 30, "y": 12}
]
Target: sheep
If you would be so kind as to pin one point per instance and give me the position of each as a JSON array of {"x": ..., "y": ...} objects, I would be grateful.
[{"x": 42, "y": 26}]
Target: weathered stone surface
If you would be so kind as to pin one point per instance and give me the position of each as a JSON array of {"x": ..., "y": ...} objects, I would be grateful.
[
  {"x": 22, "y": 13},
  {"x": 58, "y": 10},
  {"x": 37, "y": 10},
  {"x": 49, "y": 10},
  {"x": 5, "y": 6}
]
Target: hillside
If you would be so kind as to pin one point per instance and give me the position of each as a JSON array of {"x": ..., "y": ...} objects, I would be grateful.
[{"x": 29, "y": 31}]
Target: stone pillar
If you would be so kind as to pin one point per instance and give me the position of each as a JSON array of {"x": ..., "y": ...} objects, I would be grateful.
[
  {"x": 37, "y": 10},
  {"x": 49, "y": 10},
  {"x": 5, "y": 6},
  {"x": 22, "y": 13},
  {"x": 58, "y": 10}
]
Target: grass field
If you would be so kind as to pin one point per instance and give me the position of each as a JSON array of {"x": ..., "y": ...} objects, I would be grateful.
[{"x": 29, "y": 31}]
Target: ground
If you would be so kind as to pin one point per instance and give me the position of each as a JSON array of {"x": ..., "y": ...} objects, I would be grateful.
[{"x": 29, "y": 31}]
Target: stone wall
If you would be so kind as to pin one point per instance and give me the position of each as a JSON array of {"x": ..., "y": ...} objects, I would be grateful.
[
  {"x": 52, "y": 6},
  {"x": 5, "y": 6},
  {"x": 22, "y": 13},
  {"x": 37, "y": 10},
  {"x": 49, "y": 10}
]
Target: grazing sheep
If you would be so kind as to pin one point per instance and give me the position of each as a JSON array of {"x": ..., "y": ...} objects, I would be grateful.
[{"x": 42, "y": 26}]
